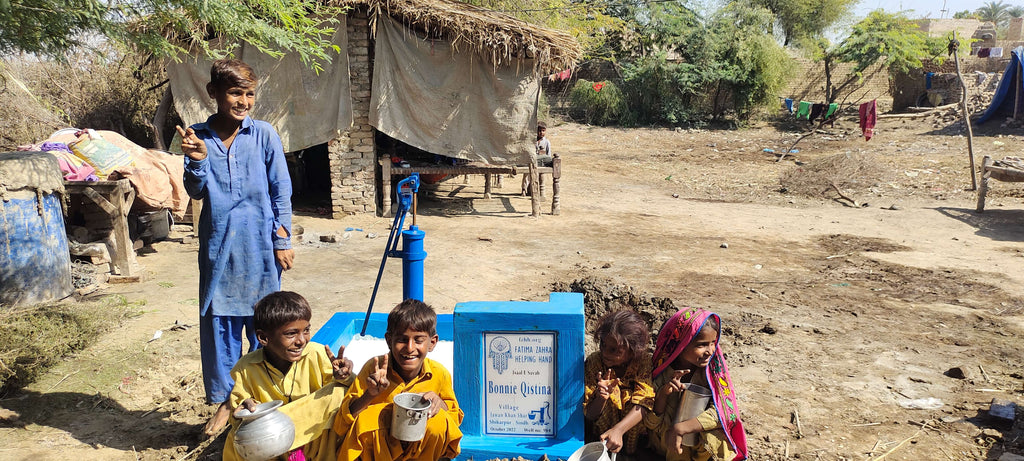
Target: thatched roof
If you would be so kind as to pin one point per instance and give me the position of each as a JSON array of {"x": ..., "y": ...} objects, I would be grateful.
[{"x": 504, "y": 38}]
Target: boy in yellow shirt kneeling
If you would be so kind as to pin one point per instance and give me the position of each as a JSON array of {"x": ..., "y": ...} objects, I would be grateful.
[
  {"x": 365, "y": 416},
  {"x": 310, "y": 381}
]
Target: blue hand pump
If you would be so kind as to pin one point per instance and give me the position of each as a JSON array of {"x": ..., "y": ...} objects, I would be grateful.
[{"x": 412, "y": 253}]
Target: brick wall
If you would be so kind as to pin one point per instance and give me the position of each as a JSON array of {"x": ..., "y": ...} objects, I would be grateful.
[
  {"x": 352, "y": 155},
  {"x": 809, "y": 84},
  {"x": 942, "y": 27}
]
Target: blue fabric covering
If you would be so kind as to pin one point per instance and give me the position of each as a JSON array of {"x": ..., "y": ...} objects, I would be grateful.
[
  {"x": 1003, "y": 100},
  {"x": 246, "y": 195},
  {"x": 928, "y": 80},
  {"x": 220, "y": 346},
  {"x": 789, "y": 105}
]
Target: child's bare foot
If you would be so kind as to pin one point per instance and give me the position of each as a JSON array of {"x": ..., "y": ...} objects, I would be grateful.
[{"x": 219, "y": 420}]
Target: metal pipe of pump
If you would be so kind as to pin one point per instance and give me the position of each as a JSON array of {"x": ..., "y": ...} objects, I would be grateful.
[{"x": 412, "y": 253}]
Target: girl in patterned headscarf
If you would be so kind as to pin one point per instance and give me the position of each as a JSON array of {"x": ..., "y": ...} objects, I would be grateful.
[
  {"x": 617, "y": 380},
  {"x": 687, "y": 351}
]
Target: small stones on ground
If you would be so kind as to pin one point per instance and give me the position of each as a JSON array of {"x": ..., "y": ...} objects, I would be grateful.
[
  {"x": 989, "y": 433},
  {"x": 956, "y": 373},
  {"x": 371, "y": 235},
  {"x": 758, "y": 266},
  {"x": 723, "y": 245},
  {"x": 768, "y": 329},
  {"x": 329, "y": 238}
]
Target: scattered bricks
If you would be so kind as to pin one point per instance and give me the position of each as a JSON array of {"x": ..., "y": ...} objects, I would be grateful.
[{"x": 1002, "y": 412}]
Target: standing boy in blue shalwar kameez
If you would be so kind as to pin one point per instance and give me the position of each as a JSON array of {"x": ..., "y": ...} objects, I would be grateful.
[{"x": 236, "y": 165}]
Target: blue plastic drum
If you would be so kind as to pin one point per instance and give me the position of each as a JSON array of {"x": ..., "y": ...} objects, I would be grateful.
[{"x": 35, "y": 265}]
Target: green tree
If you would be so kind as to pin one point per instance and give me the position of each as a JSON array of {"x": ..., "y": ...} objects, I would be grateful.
[
  {"x": 754, "y": 66},
  {"x": 994, "y": 12},
  {"x": 1015, "y": 11},
  {"x": 965, "y": 14},
  {"x": 891, "y": 39},
  {"x": 801, "y": 19},
  {"x": 168, "y": 28}
]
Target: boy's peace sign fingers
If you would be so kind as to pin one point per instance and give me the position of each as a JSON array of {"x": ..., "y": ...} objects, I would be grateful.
[
  {"x": 378, "y": 380},
  {"x": 191, "y": 145},
  {"x": 341, "y": 365}
]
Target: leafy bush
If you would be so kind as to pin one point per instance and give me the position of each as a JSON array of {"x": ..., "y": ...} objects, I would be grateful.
[
  {"x": 597, "y": 103},
  {"x": 662, "y": 92}
]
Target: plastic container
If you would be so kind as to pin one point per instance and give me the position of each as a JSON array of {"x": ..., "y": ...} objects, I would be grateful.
[
  {"x": 593, "y": 451},
  {"x": 35, "y": 265},
  {"x": 409, "y": 418}
]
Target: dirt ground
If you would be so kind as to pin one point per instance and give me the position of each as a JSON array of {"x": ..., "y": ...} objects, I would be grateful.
[{"x": 836, "y": 317}]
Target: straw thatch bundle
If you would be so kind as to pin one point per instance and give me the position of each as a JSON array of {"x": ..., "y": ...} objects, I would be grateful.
[{"x": 501, "y": 36}]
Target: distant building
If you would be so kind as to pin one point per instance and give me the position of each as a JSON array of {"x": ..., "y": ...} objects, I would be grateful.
[{"x": 983, "y": 33}]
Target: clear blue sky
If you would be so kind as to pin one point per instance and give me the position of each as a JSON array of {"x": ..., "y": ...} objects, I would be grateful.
[{"x": 923, "y": 8}]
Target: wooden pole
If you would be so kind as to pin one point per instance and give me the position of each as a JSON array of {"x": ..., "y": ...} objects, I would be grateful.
[
  {"x": 1016, "y": 94},
  {"x": 556, "y": 179},
  {"x": 967, "y": 115},
  {"x": 534, "y": 192}
]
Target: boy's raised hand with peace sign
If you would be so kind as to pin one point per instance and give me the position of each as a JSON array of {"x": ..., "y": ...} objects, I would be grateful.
[
  {"x": 376, "y": 383},
  {"x": 342, "y": 365},
  {"x": 191, "y": 145}
]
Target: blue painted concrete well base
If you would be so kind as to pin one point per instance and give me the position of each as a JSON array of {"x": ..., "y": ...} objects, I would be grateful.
[{"x": 560, "y": 319}]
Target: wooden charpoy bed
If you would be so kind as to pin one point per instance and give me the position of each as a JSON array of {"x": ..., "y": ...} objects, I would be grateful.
[
  {"x": 489, "y": 171},
  {"x": 1006, "y": 170}
]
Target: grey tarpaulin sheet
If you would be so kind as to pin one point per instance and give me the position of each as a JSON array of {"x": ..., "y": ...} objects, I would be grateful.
[
  {"x": 306, "y": 108},
  {"x": 453, "y": 103}
]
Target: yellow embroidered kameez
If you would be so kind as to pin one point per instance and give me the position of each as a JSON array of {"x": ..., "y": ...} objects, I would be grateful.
[
  {"x": 309, "y": 391},
  {"x": 629, "y": 391},
  {"x": 367, "y": 436}
]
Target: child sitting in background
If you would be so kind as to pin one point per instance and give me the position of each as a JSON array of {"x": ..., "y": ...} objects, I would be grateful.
[
  {"x": 365, "y": 417},
  {"x": 618, "y": 391},
  {"x": 310, "y": 381},
  {"x": 687, "y": 351},
  {"x": 543, "y": 155}
]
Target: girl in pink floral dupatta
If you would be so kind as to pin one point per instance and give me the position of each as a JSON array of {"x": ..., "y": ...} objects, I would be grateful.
[{"x": 687, "y": 352}]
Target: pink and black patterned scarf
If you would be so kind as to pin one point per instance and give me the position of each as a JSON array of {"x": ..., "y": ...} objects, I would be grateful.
[{"x": 672, "y": 339}]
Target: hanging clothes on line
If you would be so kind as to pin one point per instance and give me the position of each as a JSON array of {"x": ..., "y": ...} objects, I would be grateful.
[
  {"x": 831, "y": 110},
  {"x": 868, "y": 117},
  {"x": 928, "y": 80},
  {"x": 817, "y": 110},
  {"x": 984, "y": 52},
  {"x": 803, "y": 110},
  {"x": 996, "y": 52},
  {"x": 788, "y": 104}
]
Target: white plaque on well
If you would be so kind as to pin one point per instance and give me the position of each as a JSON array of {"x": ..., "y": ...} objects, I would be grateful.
[{"x": 519, "y": 383}]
